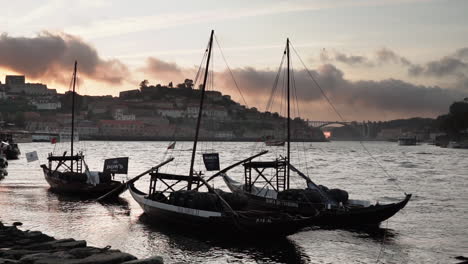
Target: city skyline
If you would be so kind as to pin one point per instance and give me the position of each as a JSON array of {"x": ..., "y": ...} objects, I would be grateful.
[{"x": 377, "y": 60}]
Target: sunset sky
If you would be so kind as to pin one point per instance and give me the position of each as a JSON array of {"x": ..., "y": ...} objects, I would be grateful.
[{"x": 376, "y": 59}]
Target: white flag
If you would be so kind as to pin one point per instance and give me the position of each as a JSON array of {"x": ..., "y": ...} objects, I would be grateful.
[{"x": 31, "y": 156}]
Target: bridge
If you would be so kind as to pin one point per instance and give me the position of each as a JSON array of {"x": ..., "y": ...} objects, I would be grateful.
[
  {"x": 365, "y": 129},
  {"x": 320, "y": 124}
]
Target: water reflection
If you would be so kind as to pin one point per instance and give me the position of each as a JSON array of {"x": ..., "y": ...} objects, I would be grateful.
[{"x": 198, "y": 245}]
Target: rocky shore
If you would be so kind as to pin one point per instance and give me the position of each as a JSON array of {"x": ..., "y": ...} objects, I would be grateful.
[{"x": 34, "y": 247}]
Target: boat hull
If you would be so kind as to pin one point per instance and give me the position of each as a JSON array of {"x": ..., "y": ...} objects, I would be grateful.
[
  {"x": 217, "y": 223},
  {"x": 58, "y": 184},
  {"x": 347, "y": 217}
]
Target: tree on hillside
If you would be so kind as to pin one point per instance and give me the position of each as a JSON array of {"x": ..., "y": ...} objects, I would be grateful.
[
  {"x": 144, "y": 84},
  {"x": 456, "y": 120}
]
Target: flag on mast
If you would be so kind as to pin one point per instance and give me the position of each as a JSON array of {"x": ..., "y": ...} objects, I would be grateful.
[{"x": 32, "y": 156}]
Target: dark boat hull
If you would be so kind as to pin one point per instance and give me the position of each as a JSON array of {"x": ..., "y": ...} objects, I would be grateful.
[
  {"x": 347, "y": 217},
  {"x": 12, "y": 152},
  {"x": 59, "y": 185},
  {"x": 213, "y": 222}
]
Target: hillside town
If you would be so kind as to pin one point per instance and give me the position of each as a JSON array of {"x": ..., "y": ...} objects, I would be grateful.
[{"x": 160, "y": 112}]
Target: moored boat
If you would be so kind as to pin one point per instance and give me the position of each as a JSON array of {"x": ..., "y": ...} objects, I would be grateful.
[
  {"x": 11, "y": 149},
  {"x": 3, "y": 166},
  {"x": 69, "y": 174},
  {"x": 267, "y": 185},
  {"x": 188, "y": 200},
  {"x": 407, "y": 141}
]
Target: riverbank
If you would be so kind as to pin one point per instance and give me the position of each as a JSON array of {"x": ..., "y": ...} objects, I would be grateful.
[{"x": 35, "y": 247}]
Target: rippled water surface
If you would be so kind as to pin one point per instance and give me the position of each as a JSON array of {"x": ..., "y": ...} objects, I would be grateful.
[{"x": 433, "y": 228}]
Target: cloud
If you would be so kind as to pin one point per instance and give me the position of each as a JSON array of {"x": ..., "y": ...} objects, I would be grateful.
[
  {"x": 364, "y": 99},
  {"x": 353, "y": 60},
  {"x": 50, "y": 56},
  {"x": 385, "y": 55},
  {"x": 166, "y": 71},
  {"x": 455, "y": 64}
]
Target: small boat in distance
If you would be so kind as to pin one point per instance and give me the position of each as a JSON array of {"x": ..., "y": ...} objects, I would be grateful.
[
  {"x": 274, "y": 143},
  {"x": 407, "y": 141},
  {"x": 69, "y": 174}
]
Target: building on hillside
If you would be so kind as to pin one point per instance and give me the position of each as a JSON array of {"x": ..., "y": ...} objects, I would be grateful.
[
  {"x": 121, "y": 127},
  {"x": 16, "y": 85},
  {"x": 119, "y": 114},
  {"x": 216, "y": 112},
  {"x": 129, "y": 94},
  {"x": 43, "y": 126},
  {"x": 153, "y": 120},
  {"x": 171, "y": 112},
  {"x": 99, "y": 107},
  {"x": 389, "y": 134},
  {"x": 3, "y": 94},
  {"x": 46, "y": 104},
  {"x": 214, "y": 96},
  {"x": 87, "y": 128}
]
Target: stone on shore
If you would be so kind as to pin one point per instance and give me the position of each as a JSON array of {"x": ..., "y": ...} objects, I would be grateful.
[{"x": 34, "y": 247}]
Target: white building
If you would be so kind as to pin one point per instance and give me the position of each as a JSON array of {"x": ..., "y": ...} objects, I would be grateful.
[
  {"x": 171, "y": 112},
  {"x": 46, "y": 105},
  {"x": 119, "y": 115}
]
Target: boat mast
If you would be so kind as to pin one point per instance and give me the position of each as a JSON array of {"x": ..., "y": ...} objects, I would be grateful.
[
  {"x": 192, "y": 162},
  {"x": 73, "y": 115},
  {"x": 289, "y": 118}
]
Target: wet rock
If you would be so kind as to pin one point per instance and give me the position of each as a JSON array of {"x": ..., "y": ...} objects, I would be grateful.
[
  {"x": 108, "y": 257},
  {"x": 8, "y": 261},
  {"x": 33, "y": 247},
  {"x": 152, "y": 260},
  {"x": 56, "y": 244},
  {"x": 84, "y": 252}
]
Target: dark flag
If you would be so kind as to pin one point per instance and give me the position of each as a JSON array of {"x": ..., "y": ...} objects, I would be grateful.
[
  {"x": 117, "y": 165},
  {"x": 211, "y": 161}
]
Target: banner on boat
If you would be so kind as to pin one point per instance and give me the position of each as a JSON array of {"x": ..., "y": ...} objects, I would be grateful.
[
  {"x": 211, "y": 161},
  {"x": 117, "y": 165},
  {"x": 31, "y": 156}
]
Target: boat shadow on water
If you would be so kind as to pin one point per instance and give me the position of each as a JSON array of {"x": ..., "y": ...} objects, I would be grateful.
[{"x": 198, "y": 243}]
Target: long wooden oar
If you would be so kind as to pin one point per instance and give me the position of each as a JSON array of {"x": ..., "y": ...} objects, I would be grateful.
[{"x": 124, "y": 186}]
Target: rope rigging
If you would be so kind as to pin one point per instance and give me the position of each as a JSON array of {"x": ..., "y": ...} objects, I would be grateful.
[{"x": 343, "y": 119}]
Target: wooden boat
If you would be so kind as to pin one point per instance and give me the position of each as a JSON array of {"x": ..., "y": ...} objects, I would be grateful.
[
  {"x": 325, "y": 206},
  {"x": 274, "y": 143},
  {"x": 199, "y": 206},
  {"x": 69, "y": 174},
  {"x": 11, "y": 149},
  {"x": 3, "y": 166},
  {"x": 407, "y": 141}
]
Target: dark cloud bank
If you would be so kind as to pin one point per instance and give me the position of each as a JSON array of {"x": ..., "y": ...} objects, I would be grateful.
[
  {"x": 51, "y": 56},
  {"x": 371, "y": 99}
]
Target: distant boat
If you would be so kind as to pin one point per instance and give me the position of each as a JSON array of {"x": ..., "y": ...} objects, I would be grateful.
[
  {"x": 458, "y": 144},
  {"x": 274, "y": 143},
  {"x": 407, "y": 141},
  {"x": 69, "y": 174}
]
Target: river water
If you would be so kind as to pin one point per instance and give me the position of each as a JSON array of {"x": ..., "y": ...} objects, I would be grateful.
[{"x": 433, "y": 228}]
